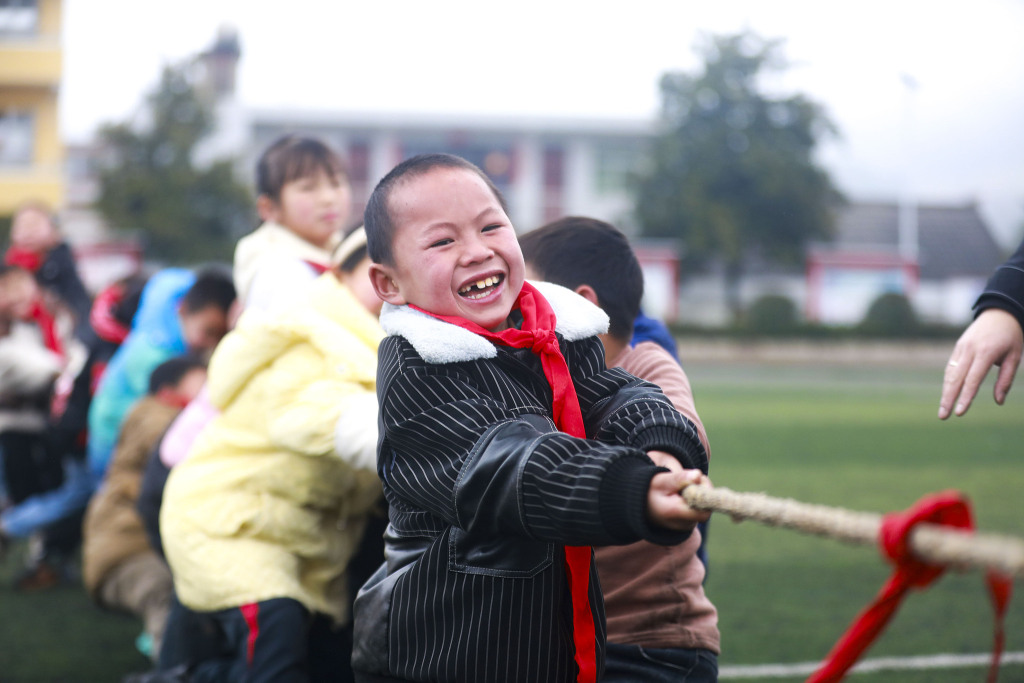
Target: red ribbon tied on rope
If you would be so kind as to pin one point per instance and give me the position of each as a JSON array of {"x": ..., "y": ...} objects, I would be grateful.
[{"x": 947, "y": 508}]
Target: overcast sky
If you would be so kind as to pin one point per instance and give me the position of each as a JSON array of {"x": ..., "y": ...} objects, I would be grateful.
[{"x": 955, "y": 135}]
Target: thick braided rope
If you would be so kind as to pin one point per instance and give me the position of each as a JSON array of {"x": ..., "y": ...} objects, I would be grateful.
[{"x": 931, "y": 543}]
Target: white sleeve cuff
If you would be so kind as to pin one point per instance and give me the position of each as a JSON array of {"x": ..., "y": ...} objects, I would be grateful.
[{"x": 355, "y": 433}]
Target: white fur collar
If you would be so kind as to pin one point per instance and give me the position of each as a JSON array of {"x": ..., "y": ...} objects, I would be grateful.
[{"x": 439, "y": 342}]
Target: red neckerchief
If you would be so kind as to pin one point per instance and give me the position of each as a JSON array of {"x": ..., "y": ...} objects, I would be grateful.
[
  {"x": 18, "y": 256},
  {"x": 170, "y": 397},
  {"x": 318, "y": 267},
  {"x": 101, "y": 315},
  {"x": 947, "y": 508},
  {"x": 44, "y": 320},
  {"x": 538, "y": 334}
]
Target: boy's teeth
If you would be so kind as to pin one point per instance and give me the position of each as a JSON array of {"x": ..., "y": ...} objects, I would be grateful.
[{"x": 481, "y": 284}]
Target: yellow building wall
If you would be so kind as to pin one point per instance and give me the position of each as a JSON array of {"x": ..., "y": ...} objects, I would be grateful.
[
  {"x": 51, "y": 14},
  {"x": 30, "y": 75},
  {"x": 29, "y": 65}
]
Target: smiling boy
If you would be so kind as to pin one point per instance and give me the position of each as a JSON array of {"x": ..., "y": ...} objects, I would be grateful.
[{"x": 507, "y": 448}]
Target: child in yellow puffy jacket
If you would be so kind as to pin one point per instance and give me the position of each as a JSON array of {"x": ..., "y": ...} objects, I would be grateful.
[{"x": 260, "y": 520}]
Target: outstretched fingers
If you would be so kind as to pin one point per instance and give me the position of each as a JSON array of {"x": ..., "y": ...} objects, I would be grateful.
[
  {"x": 994, "y": 338},
  {"x": 952, "y": 383},
  {"x": 963, "y": 378},
  {"x": 1007, "y": 371}
]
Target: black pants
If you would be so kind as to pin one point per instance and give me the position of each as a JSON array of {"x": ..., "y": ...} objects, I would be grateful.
[
  {"x": 30, "y": 465},
  {"x": 274, "y": 641}
]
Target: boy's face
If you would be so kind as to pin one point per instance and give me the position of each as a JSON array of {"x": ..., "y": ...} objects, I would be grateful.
[
  {"x": 18, "y": 294},
  {"x": 455, "y": 250},
  {"x": 33, "y": 231},
  {"x": 190, "y": 385},
  {"x": 187, "y": 388},
  {"x": 203, "y": 329},
  {"x": 315, "y": 207}
]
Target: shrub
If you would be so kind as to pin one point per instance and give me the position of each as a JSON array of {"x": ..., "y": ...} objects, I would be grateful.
[
  {"x": 772, "y": 314},
  {"x": 890, "y": 315}
]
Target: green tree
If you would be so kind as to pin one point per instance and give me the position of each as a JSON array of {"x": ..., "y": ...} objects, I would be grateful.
[
  {"x": 732, "y": 173},
  {"x": 150, "y": 185}
]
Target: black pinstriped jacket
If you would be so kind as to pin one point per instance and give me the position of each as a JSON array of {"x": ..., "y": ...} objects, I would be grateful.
[{"x": 484, "y": 492}]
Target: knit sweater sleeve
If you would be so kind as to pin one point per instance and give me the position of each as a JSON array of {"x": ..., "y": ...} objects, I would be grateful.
[
  {"x": 621, "y": 408},
  {"x": 653, "y": 363}
]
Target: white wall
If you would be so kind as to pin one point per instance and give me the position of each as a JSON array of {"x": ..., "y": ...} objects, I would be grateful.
[{"x": 948, "y": 301}]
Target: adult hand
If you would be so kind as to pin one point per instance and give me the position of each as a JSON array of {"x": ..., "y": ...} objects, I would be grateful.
[
  {"x": 665, "y": 503},
  {"x": 994, "y": 338}
]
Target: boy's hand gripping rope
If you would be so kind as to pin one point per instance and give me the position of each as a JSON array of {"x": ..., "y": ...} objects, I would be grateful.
[{"x": 937, "y": 532}]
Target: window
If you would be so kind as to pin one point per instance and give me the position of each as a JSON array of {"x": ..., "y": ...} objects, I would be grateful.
[
  {"x": 358, "y": 158},
  {"x": 496, "y": 158},
  {"x": 554, "y": 167},
  {"x": 554, "y": 181},
  {"x": 613, "y": 168},
  {"x": 18, "y": 17},
  {"x": 15, "y": 138}
]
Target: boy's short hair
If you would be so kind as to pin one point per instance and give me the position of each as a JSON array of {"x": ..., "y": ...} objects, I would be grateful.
[
  {"x": 132, "y": 287},
  {"x": 213, "y": 287},
  {"x": 575, "y": 250},
  {"x": 380, "y": 231},
  {"x": 292, "y": 157},
  {"x": 169, "y": 374}
]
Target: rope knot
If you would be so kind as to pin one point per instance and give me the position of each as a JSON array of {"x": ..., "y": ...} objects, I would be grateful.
[{"x": 947, "y": 508}]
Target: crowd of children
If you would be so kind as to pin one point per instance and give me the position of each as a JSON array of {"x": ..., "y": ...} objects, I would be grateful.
[{"x": 420, "y": 449}]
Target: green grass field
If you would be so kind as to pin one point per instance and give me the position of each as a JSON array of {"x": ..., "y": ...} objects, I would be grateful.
[{"x": 864, "y": 439}]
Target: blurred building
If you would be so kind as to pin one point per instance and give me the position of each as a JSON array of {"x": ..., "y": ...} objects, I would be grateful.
[
  {"x": 34, "y": 163},
  {"x": 545, "y": 168},
  {"x": 939, "y": 256},
  {"x": 31, "y": 153}
]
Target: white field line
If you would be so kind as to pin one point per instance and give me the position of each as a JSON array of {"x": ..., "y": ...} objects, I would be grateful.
[{"x": 942, "y": 661}]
